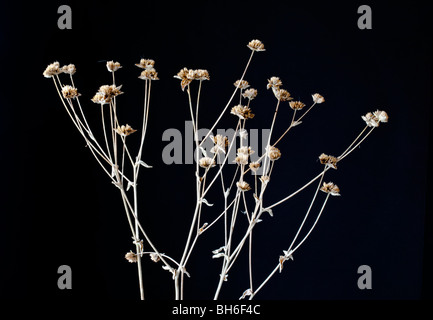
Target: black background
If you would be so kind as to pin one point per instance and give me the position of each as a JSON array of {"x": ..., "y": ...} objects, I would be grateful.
[{"x": 57, "y": 206}]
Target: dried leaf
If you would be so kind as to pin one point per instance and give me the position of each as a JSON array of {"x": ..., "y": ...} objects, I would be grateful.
[
  {"x": 206, "y": 202},
  {"x": 247, "y": 292}
]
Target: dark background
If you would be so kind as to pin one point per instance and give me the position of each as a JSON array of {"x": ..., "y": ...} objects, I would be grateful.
[{"x": 57, "y": 206}]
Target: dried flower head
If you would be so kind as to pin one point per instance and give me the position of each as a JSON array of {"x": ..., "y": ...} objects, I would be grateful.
[
  {"x": 243, "y": 155},
  {"x": 106, "y": 93},
  {"x": 186, "y": 76},
  {"x": 274, "y": 83},
  {"x": 131, "y": 257},
  {"x": 254, "y": 166},
  {"x": 241, "y": 84},
  {"x": 256, "y": 45},
  {"x": 146, "y": 64},
  {"x": 113, "y": 66},
  {"x": 282, "y": 95},
  {"x": 201, "y": 74},
  {"x": 243, "y": 112},
  {"x": 241, "y": 158},
  {"x": 206, "y": 162},
  {"x": 69, "y": 69},
  {"x": 70, "y": 92},
  {"x": 382, "y": 116},
  {"x": 265, "y": 179},
  {"x": 296, "y": 105},
  {"x": 99, "y": 98},
  {"x": 243, "y": 186},
  {"x": 371, "y": 120},
  {"x": 154, "y": 257},
  {"x": 330, "y": 161},
  {"x": 52, "y": 70},
  {"x": 221, "y": 142},
  {"x": 274, "y": 153},
  {"x": 124, "y": 130},
  {"x": 331, "y": 188},
  {"x": 245, "y": 150},
  {"x": 250, "y": 94},
  {"x": 149, "y": 74},
  {"x": 317, "y": 98}
]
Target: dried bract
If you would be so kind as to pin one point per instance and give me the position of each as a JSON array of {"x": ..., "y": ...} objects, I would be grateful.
[
  {"x": 331, "y": 188},
  {"x": 52, "y": 70},
  {"x": 256, "y": 45}
]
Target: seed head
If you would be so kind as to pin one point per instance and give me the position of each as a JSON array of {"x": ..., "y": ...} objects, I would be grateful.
[{"x": 256, "y": 45}]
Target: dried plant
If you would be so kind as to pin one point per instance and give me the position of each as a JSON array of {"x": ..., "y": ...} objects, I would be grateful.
[{"x": 123, "y": 167}]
